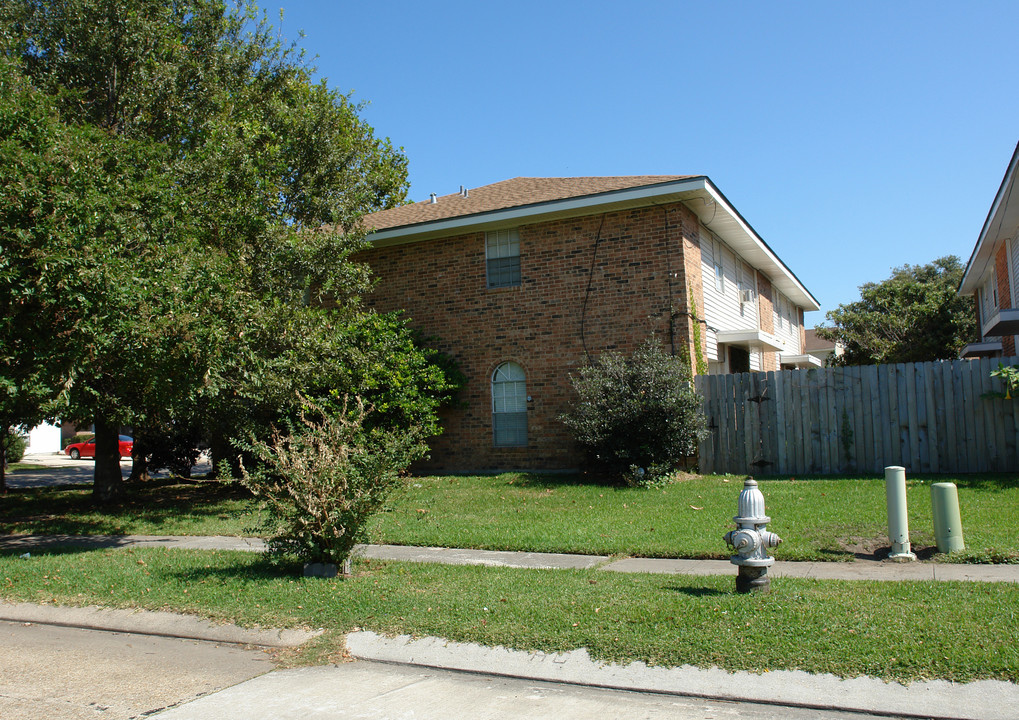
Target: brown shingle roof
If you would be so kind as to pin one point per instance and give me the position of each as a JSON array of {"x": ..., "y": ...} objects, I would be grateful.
[{"x": 508, "y": 194}]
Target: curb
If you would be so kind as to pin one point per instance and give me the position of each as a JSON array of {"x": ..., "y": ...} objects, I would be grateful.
[
  {"x": 152, "y": 622},
  {"x": 939, "y": 699}
]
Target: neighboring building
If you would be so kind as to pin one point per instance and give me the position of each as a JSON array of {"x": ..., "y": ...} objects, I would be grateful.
[
  {"x": 991, "y": 273},
  {"x": 43, "y": 439},
  {"x": 819, "y": 348},
  {"x": 523, "y": 280},
  {"x": 49, "y": 438}
]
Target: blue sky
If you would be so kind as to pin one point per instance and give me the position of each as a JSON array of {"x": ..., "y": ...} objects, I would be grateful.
[{"x": 854, "y": 136}]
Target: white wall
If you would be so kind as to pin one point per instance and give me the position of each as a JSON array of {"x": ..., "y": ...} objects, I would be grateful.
[
  {"x": 723, "y": 310},
  {"x": 43, "y": 439},
  {"x": 787, "y": 322}
]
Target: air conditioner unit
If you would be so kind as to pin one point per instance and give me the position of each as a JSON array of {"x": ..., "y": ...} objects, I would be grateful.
[{"x": 746, "y": 296}]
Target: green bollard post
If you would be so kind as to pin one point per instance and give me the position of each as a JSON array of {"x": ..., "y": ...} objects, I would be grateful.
[
  {"x": 947, "y": 520},
  {"x": 898, "y": 520}
]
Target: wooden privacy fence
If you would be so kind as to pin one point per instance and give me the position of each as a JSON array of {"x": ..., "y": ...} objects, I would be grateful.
[{"x": 932, "y": 417}]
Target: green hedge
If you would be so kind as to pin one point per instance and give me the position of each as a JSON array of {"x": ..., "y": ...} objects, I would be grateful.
[{"x": 14, "y": 448}]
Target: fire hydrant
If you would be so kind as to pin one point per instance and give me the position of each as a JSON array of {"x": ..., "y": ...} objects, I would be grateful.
[{"x": 750, "y": 540}]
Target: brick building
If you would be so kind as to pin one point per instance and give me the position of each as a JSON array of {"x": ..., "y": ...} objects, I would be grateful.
[
  {"x": 992, "y": 272},
  {"x": 523, "y": 280}
]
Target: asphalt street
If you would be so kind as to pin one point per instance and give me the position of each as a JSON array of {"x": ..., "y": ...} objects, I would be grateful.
[
  {"x": 58, "y": 469},
  {"x": 50, "y": 672}
]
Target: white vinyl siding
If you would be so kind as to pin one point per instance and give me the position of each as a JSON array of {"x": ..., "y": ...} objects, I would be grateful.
[
  {"x": 746, "y": 282},
  {"x": 789, "y": 329},
  {"x": 988, "y": 298},
  {"x": 723, "y": 310},
  {"x": 717, "y": 266}
]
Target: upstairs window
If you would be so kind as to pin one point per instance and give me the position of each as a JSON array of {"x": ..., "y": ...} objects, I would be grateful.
[
  {"x": 716, "y": 256},
  {"x": 509, "y": 406},
  {"x": 502, "y": 258},
  {"x": 745, "y": 283}
]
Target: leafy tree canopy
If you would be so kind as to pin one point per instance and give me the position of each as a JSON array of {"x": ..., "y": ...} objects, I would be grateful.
[
  {"x": 915, "y": 315},
  {"x": 180, "y": 202}
]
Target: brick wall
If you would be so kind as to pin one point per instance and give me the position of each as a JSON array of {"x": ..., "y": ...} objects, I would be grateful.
[
  {"x": 590, "y": 284},
  {"x": 1004, "y": 294},
  {"x": 766, "y": 317}
]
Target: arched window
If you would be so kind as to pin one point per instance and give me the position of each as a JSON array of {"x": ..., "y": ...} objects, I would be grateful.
[{"x": 509, "y": 406}]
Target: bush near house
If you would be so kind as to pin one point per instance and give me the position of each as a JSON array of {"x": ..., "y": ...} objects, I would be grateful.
[
  {"x": 636, "y": 418},
  {"x": 14, "y": 447}
]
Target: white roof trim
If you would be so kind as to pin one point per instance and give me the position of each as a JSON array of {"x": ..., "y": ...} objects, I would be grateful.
[
  {"x": 981, "y": 349},
  {"x": 983, "y": 251},
  {"x": 801, "y": 360},
  {"x": 729, "y": 225},
  {"x": 1004, "y": 321},
  {"x": 756, "y": 339}
]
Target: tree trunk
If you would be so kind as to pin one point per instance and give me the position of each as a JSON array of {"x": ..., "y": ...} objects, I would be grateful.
[
  {"x": 139, "y": 469},
  {"x": 139, "y": 459},
  {"x": 108, "y": 482}
]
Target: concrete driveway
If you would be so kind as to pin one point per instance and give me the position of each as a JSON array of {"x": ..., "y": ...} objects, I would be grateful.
[
  {"x": 55, "y": 470},
  {"x": 58, "y": 469}
]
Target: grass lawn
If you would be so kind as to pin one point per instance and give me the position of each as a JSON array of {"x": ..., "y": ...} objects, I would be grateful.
[
  {"x": 24, "y": 466},
  {"x": 159, "y": 507},
  {"x": 818, "y": 519},
  {"x": 901, "y": 631}
]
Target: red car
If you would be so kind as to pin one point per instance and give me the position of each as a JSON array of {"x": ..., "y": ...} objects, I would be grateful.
[{"x": 87, "y": 449}]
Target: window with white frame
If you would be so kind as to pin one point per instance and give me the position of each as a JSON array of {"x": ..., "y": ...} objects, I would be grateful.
[
  {"x": 989, "y": 297},
  {"x": 746, "y": 284},
  {"x": 502, "y": 258},
  {"x": 509, "y": 406},
  {"x": 779, "y": 310},
  {"x": 716, "y": 255}
]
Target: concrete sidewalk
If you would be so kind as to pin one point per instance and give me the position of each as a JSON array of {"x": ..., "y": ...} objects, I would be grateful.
[{"x": 857, "y": 570}]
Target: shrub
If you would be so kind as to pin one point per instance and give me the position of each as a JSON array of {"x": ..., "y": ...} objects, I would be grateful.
[
  {"x": 322, "y": 479},
  {"x": 635, "y": 418},
  {"x": 1010, "y": 377},
  {"x": 14, "y": 447}
]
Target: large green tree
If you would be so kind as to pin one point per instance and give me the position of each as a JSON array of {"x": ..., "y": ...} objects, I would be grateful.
[
  {"x": 915, "y": 315},
  {"x": 39, "y": 191},
  {"x": 195, "y": 276}
]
